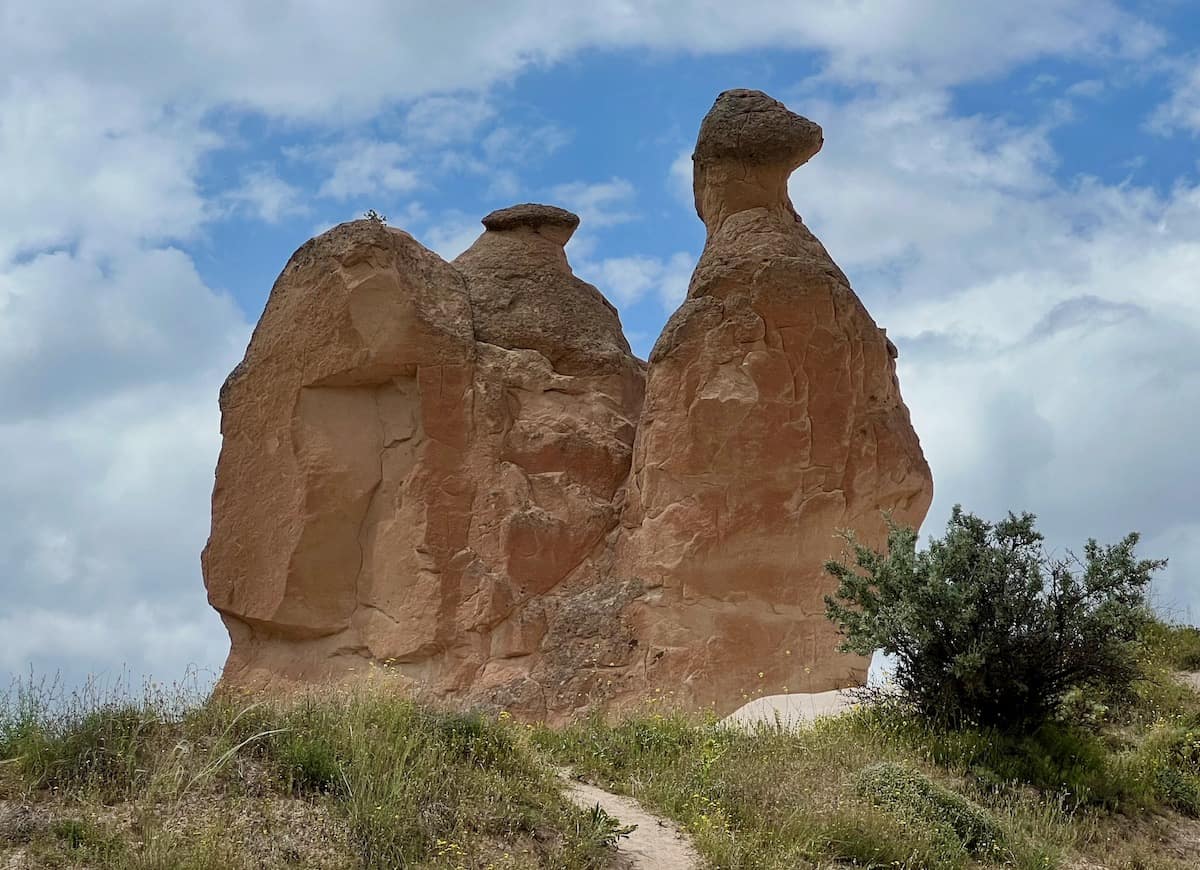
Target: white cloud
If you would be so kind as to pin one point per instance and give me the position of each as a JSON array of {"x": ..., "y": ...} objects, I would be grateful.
[
  {"x": 1087, "y": 88},
  {"x": 942, "y": 42},
  {"x": 1182, "y": 110},
  {"x": 266, "y": 196},
  {"x": 367, "y": 167},
  {"x": 598, "y": 204},
  {"x": 1046, "y": 329},
  {"x": 109, "y": 422},
  {"x": 441, "y": 120},
  {"x": 76, "y": 329},
  {"x": 296, "y": 60},
  {"x": 452, "y": 234},
  {"x": 516, "y": 144},
  {"x": 177, "y": 639},
  {"x": 83, "y": 162},
  {"x": 679, "y": 178},
  {"x": 903, "y": 184},
  {"x": 629, "y": 279}
]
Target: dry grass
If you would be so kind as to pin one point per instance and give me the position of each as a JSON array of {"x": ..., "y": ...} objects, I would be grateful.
[
  {"x": 1118, "y": 789},
  {"x": 168, "y": 779},
  {"x": 330, "y": 780}
]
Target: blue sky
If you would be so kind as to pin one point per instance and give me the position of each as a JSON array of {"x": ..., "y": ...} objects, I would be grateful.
[{"x": 1014, "y": 193}]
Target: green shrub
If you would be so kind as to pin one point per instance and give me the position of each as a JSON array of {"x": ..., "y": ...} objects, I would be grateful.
[
  {"x": 310, "y": 764},
  {"x": 1178, "y": 791},
  {"x": 873, "y": 839},
  {"x": 986, "y": 628},
  {"x": 913, "y": 796},
  {"x": 73, "y": 833},
  {"x": 1170, "y": 759},
  {"x": 473, "y": 738},
  {"x": 86, "y": 838},
  {"x": 1057, "y": 759}
]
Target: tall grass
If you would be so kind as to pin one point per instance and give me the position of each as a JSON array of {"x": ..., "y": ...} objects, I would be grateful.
[
  {"x": 388, "y": 782},
  {"x": 170, "y": 779},
  {"x": 776, "y": 798}
]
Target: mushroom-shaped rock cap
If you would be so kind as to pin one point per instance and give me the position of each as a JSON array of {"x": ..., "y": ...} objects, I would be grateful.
[
  {"x": 751, "y": 127},
  {"x": 546, "y": 220},
  {"x": 525, "y": 296}
]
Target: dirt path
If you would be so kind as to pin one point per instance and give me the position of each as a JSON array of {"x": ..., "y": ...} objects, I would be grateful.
[
  {"x": 1190, "y": 679},
  {"x": 656, "y": 844}
]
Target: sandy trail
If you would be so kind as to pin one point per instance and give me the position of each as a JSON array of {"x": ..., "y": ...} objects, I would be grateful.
[
  {"x": 656, "y": 844},
  {"x": 1190, "y": 678}
]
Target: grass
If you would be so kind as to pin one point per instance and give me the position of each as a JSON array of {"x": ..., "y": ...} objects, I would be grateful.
[
  {"x": 879, "y": 787},
  {"x": 1176, "y": 646},
  {"x": 341, "y": 780},
  {"x": 347, "y": 780}
]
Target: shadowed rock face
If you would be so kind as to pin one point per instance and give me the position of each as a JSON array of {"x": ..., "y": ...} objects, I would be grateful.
[{"x": 461, "y": 473}]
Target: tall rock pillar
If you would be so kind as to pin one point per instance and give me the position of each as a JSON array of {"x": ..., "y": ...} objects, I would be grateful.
[{"x": 772, "y": 420}]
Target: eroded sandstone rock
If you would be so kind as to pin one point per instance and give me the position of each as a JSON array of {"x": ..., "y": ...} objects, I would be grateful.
[
  {"x": 772, "y": 419},
  {"x": 461, "y": 474}
]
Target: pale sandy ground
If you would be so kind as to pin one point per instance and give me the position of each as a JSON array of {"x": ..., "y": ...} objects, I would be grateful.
[
  {"x": 656, "y": 844},
  {"x": 1190, "y": 679},
  {"x": 790, "y": 711}
]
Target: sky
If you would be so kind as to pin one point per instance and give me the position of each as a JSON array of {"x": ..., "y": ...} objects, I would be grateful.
[{"x": 1013, "y": 190}]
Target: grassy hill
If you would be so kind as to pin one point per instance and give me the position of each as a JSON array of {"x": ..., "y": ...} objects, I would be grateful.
[{"x": 341, "y": 780}]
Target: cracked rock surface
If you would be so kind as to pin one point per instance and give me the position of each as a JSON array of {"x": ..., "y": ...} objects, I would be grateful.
[{"x": 460, "y": 474}]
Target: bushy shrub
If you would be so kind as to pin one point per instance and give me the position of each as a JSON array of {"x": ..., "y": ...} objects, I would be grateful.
[
  {"x": 986, "y": 627},
  {"x": 1178, "y": 790},
  {"x": 1170, "y": 757},
  {"x": 910, "y": 794},
  {"x": 309, "y": 763}
]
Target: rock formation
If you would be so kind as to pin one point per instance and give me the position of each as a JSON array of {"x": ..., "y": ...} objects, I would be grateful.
[
  {"x": 460, "y": 474},
  {"x": 772, "y": 419}
]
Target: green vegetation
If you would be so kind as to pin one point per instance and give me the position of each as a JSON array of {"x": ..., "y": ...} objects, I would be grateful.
[
  {"x": 953, "y": 820},
  {"x": 348, "y": 780},
  {"x": 883, "y": 787},
  {"x": 989, "y": 630},
  {"x": 1177, "y": 647}
]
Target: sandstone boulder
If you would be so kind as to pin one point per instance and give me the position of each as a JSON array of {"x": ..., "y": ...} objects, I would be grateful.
[{"x": 459, "y": 474}]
